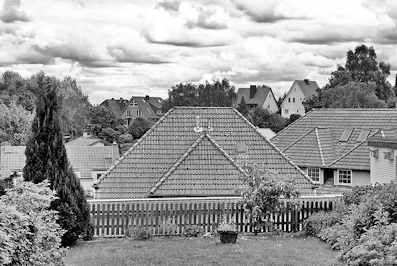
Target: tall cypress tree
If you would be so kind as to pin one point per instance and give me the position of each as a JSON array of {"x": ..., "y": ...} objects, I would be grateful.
[{"x": 46, "y": 158}]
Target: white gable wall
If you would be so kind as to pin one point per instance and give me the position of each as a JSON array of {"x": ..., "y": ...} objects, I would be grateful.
[
  {"x": 292, "y": 103},
  {"x": 383, "y": 170},
  {"x": 270, "y": 103}
]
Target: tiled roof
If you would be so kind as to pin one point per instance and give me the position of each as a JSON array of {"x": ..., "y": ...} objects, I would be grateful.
[
  {"x": 330, "y": 125},
  {"x": 116, "y": 106},
  {"x": 83, "y": 159},
  {"x": 163, "y": 148},
  {"x": 86, "y": 141},
  {"x": 259, "y": 98},
  {"x": 308, "y": 87}
]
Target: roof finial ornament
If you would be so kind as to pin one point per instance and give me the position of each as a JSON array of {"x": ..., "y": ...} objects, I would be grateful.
[{"x": 198, "y": 128}]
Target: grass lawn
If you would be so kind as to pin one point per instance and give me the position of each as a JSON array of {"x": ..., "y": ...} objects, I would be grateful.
[{"x": 200, "y": 251}]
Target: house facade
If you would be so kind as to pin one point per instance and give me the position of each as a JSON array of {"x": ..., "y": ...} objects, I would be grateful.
[
  {"x": 146, "y": 107},
  {"x": 331, "y": 146},
  {"x": 195, "y": 151},
  {"x": 88, "y": 162},
  {"x": 383, "y": 159},
  {"x": 257, "y": 96},
  {"x": 300, "y": 91}
]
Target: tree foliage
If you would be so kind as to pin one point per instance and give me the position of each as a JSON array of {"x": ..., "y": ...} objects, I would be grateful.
[
  {"x": 46, "y": 159},
  {"x": 362, "y": 82},
  {"x": 29, "y": 234},
  {"x": 15, "y": 123},
  {"x": 139, "y": 127},
  {"x": 262, "y": 193},
  {"x": 217, "y": 93}
]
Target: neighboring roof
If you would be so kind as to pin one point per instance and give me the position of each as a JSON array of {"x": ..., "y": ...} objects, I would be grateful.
[
  {"x": 172, "y": 156},
  {"x": 299, "y": 138},
  {"x": 82, "y": 159},
  {"x": 308, "y": 87},
  {"x": 116, "y": 106},
  {"x": 148, "y": 107},
  {"x": 266, "y": 132},
  {"x": 87, "y": 140},
  {"x": 259, "y": 98}
]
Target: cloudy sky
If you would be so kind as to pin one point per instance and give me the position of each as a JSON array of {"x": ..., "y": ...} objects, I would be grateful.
[{"x": 121, "y": 48}]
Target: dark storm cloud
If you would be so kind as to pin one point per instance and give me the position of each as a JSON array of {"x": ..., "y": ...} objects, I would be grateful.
[
  {"x": 124, "y": 55},
  {"x": 12, "y": 12}
]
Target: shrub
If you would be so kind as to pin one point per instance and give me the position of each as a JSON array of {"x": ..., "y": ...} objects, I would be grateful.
[
  {"x": 378, "y": 246},
  {"x": 262, "y": 193},
  {"x": 29, "y": 234},
  {"x": 321, "y": 220},
  {"x": 357, "y": 194},
  {"x": 192, "y": 230},
  {"x": 138, "y": 233}
]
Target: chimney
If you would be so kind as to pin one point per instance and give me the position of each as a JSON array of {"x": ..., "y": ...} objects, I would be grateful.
[
  {"x": 306, "y": 81},
  {"x": 147, "y": 98},
  {"x": 252, "y": 91}
]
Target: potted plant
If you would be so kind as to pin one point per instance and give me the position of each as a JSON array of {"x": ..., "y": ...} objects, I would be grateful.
[{"x": 227, "y": 232}]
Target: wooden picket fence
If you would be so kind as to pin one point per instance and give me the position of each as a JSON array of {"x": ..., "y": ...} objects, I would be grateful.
[{"x": 165, "y": 216}]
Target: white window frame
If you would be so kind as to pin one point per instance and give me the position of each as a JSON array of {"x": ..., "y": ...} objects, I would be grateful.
[
  {"x": 345, "y": 171},
  {"x": 315, "y": 174}
]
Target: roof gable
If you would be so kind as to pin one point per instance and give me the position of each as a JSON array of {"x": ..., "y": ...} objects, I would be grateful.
[
  {"x": 261, "y": 94},
  {"x": 332, "y": 124},
  {"x": 218, "y": 174},
  {"x": 159, "y": 149}
]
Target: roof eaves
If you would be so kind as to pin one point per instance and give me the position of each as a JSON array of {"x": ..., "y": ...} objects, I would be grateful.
[
  {"x": 275, "y": 148},
  {"x": 99, "y": 181}
]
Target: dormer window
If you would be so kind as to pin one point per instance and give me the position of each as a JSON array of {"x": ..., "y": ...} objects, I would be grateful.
[{"x": 346, "y": 134}]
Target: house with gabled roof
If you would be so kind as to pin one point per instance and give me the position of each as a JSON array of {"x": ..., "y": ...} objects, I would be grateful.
[
  {"x": 195, "y": 151},
  {"x": 88, "y": 162},
  {"x": 300, "y": 91},
  {"x": 88, "y": 140},
  {"x": 146, "y": 107},
  {"x": 331, "y": 146},
  {"x": 257, "y": 97}
]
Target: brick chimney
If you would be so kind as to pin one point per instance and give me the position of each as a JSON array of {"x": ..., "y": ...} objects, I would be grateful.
[
  {"x": 147, "y": 97},
  {"x": 252, "y": 91},
  {"x": 306, "y": 81}
]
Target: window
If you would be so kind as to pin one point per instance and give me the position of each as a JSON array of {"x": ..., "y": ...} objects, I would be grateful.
[
  {"x": 375, "y": 153},
  {"x": 293, "y": 99},
  {"x": 289, "y": 100},
  {"x": 286, "y": 111},
  {"x": 388, "y": 155},
  {"x": 345, "y": 176},
  {"x": 363, "y": 135},
  {"x": 346, "y": 134},
  {"x": 314, "y": 174}
]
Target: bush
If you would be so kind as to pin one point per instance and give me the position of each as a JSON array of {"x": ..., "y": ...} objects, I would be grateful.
[
  {"x": 138, "y": 233},
  {"x": 357, "y": 194},
  {"x": 321, "y": 220},
  {"x": 29, "y": 234},
  {"x": 192, "y": 230},
  {"x": 378, "y": 246}
]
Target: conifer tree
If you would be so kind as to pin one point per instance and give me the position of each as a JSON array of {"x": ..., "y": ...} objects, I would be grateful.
[{"x": 46, "y": 158}]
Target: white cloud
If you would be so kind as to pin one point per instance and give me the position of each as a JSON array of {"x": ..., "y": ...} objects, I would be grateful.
[{"x": 120, "y": 48}]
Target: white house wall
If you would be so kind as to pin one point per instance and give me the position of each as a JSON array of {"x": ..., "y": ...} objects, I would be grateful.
[
  {"x": 383, "y": 170},
  {"x": 270, "y": 103},
  {"x": 289, "y": 107}
]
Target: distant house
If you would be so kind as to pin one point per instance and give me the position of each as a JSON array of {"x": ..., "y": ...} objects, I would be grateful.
[
  {"x": 128, "y": 110},
  {"x": 88, "y": 162},
  {"x": 331, "y": 146},
  {"x": 88, "y": 140},
  {"x": 195, "y": 151},
  {"x": 383, "y": 159},
  {"x": 266, "y": 132},
  {"x": 257, "y": 96},
  {"x": 300, "y": 91}
]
